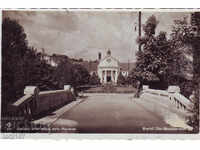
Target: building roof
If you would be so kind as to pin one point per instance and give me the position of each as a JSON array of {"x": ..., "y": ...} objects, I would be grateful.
[
  {"x": 109, "y": 61},
  {"x": 92, "y": 66}
]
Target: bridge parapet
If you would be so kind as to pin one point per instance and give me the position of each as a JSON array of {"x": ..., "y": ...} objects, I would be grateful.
[
  {"x": 173, "y": 89},
  {"x": 173, "y": 93},
  {"x": 145, "y": 87},
  {"x": 35, "y": 102}
]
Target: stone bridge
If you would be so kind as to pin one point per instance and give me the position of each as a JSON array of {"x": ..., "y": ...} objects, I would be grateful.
[{"x": 156, "y": 111}]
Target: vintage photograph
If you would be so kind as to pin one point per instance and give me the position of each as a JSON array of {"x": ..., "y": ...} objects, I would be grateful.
[{"x": 100, "y": 71}]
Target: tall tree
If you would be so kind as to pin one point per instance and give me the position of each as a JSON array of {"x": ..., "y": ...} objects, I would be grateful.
[
  {"x": 72, "y": 74},
  {"x": 121, "y": 79},
  {"x": 181, "y": 44},
  {"x": 21, "y": 65},
  {"x": 80, "y": 75},
  {"x": 195, "y": 25},
  {"x": 63, "y": 73},
  {"x": 39, "y": 72},
  {"x": 153, "y": 59},
  {"x": 14, "y": 47}
]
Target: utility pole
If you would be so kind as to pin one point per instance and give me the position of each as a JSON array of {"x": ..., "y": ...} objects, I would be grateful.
[
  {"x": 128, "y": 65},
  {"x": 139, "y": 24},
  {"x": 128, "y": 71}
]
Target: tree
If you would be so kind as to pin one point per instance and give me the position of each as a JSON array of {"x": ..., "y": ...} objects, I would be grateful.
[
  {"x": 94, "y": 79},
  {"x": 150, "y": 26},
  {"x": 121, "y": 79},
  {"x": 63, "y": 73},
  {"x": 192, "y": 37},
  {"x": 38, "y": 72},
  {"x": 14, "y": 47},
  {"x": 181, "y": 44},
  {"x": 80, "y": 75},
  {"x": 21, "y": 65},
  {"x": 72, "y": 74},
  {"x": 185, "y": 40},
  {"x": 153, "y": 60}
]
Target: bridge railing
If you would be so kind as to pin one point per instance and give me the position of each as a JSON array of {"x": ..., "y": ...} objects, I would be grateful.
[
  {"x": 35, "y": 102},
  {"x": 173, "y": 93}
]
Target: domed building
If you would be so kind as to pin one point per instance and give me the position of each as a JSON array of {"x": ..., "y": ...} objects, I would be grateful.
[{"x": 108, "y": 69}]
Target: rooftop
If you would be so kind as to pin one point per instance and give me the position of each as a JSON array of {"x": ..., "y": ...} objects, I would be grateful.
[{"x": 92, "y": 66}]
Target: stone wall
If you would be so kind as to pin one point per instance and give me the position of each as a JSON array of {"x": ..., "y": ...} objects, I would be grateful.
[
  {"x": 35, "y": 103},
  {"x": 49, "y": 100}
]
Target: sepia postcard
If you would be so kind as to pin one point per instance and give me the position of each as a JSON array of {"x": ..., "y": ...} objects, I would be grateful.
[{"x": 100, "y": 73}]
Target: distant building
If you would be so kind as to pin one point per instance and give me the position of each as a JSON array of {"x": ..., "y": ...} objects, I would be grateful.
[
  {"x": 55, "y": 59},
  {"x": 49, "y": 60},
  {"x": 108, "y": 68}
]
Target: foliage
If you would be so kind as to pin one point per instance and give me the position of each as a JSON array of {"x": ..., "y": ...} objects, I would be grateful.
[
  {"x": 63, "y": 73},
  {"x": 38, "y": 71},
  {"x": 161, "y": 59},
  {"x": 80, "y": 75},
  {"x": 14, "y": 46},
  {"x": 154, "y": 58},
  {"x": 195, "y": 25},
  {"x": 165, "y": 60},
  {"x": 71, "y": 74},
  {"x": 185, "y": 41},
  {"x": 121, "y": 79},
  {"x": 182, "y": 32},
  {"x": 150, "y": 26},
  {"x": 94, "y": 79},
  {"x": 23, "y": 65}
]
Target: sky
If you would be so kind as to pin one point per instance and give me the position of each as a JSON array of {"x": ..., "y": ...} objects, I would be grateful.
[{"x": 82, "y": 34}]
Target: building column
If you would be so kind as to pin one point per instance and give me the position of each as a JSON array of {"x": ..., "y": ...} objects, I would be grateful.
[
  {"x": 116, "y": 76},
  {"x": 101, "y": 76},
  {"x": 111, "y": 73},
  {"x": 105, "y": 75}
]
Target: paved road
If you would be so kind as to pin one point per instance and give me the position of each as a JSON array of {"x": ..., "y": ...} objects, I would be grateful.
[{"x": 115, "y": 113}]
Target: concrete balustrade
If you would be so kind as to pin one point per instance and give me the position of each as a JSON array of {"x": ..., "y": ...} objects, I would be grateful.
[
  {"x": 173, "y": 92},
  {"x": 145, "y": 87},
  {"x": 35, "y": 102},
  {"x": 67, "y": 87},
  {"x": 182, "y": 101},
  {"x": 32, "y": 90},
  {"x": 173, "y": 89}
]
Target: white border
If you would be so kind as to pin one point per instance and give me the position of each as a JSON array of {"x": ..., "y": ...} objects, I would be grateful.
[
  {"x": 100, "y": 4},
  {"x": 108, "y": 9},
  {"x": 82, "y": 136},
  {"x": 102, "y": 136}
]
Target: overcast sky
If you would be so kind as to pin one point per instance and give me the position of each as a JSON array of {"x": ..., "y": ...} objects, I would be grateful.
[{"x": 82, "y": 34}]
